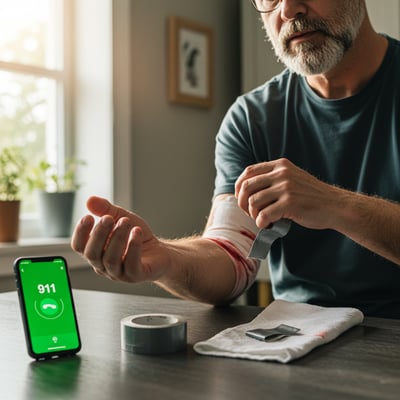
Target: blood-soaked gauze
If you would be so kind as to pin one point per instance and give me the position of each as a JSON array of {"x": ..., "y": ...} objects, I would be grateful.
[{"x": 234, "y": 231}]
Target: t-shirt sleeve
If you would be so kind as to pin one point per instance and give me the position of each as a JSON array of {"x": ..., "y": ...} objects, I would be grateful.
[{"x": 233, "y": 151}]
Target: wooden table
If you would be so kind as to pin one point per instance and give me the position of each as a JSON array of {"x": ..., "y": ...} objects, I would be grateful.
[{"x": 363, "y": 363}]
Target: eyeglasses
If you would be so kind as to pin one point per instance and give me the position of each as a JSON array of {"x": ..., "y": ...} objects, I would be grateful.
[{"x": 265, "y": 6}]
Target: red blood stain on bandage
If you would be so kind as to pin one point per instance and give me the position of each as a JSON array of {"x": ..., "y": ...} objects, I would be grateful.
[
  {"x": 248, "y": 234},
  {"x": 246, "y": 269},
  {"x": 228, "y": 247}
]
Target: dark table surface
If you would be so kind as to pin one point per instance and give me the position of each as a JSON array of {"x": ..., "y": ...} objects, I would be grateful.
[{"x": 363, "y": 363}]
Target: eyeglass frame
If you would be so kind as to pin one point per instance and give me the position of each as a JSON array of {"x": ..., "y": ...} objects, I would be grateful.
[{"x": 253, "y": 3}]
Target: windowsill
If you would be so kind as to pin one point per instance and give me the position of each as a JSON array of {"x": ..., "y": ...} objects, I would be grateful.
[
  {"x": 34, "y": 242},
  {"x": 37, "y": 247}
]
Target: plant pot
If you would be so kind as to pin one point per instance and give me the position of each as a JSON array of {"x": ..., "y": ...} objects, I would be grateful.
[
  {"x": 56, "y": 210},
  {"x": 9, "y": 220}
]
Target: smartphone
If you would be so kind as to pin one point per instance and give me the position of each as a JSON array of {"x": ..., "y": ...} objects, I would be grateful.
[{"x": 47, "y": 307}]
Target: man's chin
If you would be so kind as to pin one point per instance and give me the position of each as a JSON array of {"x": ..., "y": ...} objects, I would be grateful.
[
  {"x": 304, "y": 69},
  {"x": 311, "y": 60}
]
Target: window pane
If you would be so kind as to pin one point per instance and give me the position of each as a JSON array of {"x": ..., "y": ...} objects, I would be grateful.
[
  {"x": 30, "y": 32},
  {"x": 28, "y": 110}
]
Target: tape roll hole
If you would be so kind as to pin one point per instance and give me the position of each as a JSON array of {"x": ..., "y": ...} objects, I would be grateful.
[{"x": 155, "y": 320}]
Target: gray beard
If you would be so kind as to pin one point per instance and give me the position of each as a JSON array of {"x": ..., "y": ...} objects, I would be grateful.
[{"x": 311, "y": 59}]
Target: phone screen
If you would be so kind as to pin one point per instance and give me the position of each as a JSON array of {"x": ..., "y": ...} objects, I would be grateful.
[{"x": 47, "y": 306}]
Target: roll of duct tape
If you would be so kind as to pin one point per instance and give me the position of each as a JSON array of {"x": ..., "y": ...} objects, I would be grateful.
[{"x": 153, "y": 333}]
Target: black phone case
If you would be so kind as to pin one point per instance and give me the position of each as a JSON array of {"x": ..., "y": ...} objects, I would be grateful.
[{"x": 50, "y": 355}]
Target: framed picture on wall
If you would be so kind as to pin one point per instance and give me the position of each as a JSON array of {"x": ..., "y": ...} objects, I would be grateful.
[{"x": 190, "y": 52}]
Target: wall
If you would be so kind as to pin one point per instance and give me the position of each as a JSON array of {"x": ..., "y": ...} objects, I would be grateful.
[
  {"x": 258, "y": 61},
  {"x": 385, "y": 19},
  {"x": 92, "y": 100},
  {"x": 172, "y": 146}
]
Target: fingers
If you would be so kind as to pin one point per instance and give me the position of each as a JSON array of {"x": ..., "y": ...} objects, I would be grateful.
[
  {"x": 83, "y": 241},
  {"x": 100, "y": 206},
  {"x": 253, "y": 195},
  {"x": 114, "y": 250},
  {"x": 250, "y": 187},
  {"x": 133, "y": 256},
  {"x": 261, "y": 191},
  {"x": 97, "y": 243},
  {"x": 250, "y": 172},
  {"x": 104, "y": 244},
  {"x": 279, "y": 189},
  {"x": 121, "y": 246},
  {"x": 110, "y": 244},
  {"x": 81, "y": 233}
]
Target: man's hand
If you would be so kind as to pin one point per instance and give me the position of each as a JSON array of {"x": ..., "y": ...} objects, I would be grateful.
[
  {"x": 120, "y": 246},
  {"x": 278, "y": 189}
]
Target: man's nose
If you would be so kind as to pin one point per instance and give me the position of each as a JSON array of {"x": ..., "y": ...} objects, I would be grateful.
[{"x": 292, "y": 9}]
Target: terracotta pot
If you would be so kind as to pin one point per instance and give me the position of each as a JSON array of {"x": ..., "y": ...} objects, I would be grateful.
[{"x": 9, "y": 220}]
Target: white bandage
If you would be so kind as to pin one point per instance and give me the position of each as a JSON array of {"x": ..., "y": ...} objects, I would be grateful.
[
  {"x": 233, "y": 230},
  {"x": 228, "y": 221}
]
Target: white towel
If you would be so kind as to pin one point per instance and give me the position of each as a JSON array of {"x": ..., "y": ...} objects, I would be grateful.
[{"x": 318, "y": 325}]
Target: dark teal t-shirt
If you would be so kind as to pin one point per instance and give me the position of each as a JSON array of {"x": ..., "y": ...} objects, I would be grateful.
[{"x": 352, "y": 142}]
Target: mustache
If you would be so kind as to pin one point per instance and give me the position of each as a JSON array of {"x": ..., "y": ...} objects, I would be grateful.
[{"x": 303, "y": 25}]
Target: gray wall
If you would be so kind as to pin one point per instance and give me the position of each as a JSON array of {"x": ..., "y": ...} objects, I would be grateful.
[{"x": 171, "y": 171}]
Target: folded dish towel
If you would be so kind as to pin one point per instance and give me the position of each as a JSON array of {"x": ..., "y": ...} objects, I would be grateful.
[{"x": 317, "y": 326}]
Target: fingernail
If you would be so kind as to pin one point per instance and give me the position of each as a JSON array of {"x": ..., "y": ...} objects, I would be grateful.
[
  {"x": 123, "y": 223},
  {"x": 85, "y": 220},
  {"x": 106, "y": 222}
]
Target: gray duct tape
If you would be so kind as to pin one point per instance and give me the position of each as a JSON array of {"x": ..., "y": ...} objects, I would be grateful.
[
  {"x": 265, "y": 238},
  {"x": 153, "y": 333}
]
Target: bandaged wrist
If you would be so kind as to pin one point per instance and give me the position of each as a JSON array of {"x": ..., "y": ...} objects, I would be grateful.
[{"x": 234, "y": 231}]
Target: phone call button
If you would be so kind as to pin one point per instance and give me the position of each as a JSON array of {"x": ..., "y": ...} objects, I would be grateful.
[{"x": 49, "y": 308}]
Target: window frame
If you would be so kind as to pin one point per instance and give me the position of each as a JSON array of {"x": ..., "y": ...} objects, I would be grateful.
[{"x": 62, "y": 76}]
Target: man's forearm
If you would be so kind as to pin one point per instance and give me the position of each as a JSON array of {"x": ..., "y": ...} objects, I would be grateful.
[
  {"x": 198, "y": 270},
  {"x": 372, "y": 222}
]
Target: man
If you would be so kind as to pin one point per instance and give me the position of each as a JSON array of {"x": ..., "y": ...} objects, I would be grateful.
[{"x": 318, "y": 145}]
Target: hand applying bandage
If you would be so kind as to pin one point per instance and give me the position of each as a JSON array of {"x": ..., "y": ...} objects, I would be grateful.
[
  {"x": 255, "y": 194},
  {"x": 265, "y": 237}
]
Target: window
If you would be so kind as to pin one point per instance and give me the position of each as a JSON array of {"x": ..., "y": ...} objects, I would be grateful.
[{"x": 34, "y": 81}]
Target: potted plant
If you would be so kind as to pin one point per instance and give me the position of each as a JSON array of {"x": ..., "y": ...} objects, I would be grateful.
[
  {"x": 56, "y": 195},
  {"x": 12, "y": 172}
]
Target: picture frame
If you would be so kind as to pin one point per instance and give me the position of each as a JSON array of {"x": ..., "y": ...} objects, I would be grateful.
[{"x": 190, "y": 53}]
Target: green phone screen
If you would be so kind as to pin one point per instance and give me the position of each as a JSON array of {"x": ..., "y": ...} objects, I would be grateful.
[{"x": 49, "y": 309}]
